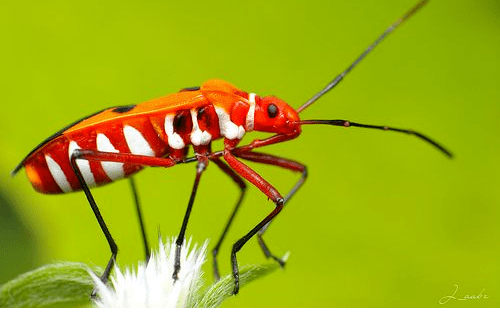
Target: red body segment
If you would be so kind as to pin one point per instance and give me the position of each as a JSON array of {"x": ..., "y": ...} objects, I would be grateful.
[{"x": 163, "y": 127}]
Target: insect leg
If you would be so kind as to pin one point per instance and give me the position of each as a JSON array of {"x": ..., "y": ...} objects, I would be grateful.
[
  {"x": 283, "y": 163},
  {"x": 134, "y": 159},
  {"x": 264, "y": 186},
  {"x": 139, "y": 216},
  {"x": 100, "y": 220},
  {"x": 253, "y": 145},
  {"x": 110, "y": 157},
  {"x": 242, "y": 185},
  {"x": 180, "y": 239},
  {"x": 267, "y": 141}
]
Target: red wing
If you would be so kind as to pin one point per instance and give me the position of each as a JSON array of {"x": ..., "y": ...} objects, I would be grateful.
[{"x": 170, "y": 103}]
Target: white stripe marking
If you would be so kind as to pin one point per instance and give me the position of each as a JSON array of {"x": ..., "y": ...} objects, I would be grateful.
[
  {"x": 114, "y": 170},
  {"x": 174, "y": 140},
  {"x": 227, "y": 128},
  {"x": 83, "y": 165},
  {"x": 241, "y": 131},
  {"x": 58, "y": 174},
  {"x": 250, "y": 122},
  {"x": 137, "y": 144},
  {"x": 198, "y": 137}
]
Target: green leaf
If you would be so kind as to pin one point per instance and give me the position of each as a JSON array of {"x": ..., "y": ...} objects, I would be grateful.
[
  {"x": 223, "y": 289},
  {"x": 65, "y": 284}
]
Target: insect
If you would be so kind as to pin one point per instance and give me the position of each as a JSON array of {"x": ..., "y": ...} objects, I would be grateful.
[{"x": 117, "y": 142}]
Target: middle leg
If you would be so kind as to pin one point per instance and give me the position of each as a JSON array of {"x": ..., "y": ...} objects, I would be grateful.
[
  {"x": 202, "y": 164},
  {"x": 264, "y": 186}
]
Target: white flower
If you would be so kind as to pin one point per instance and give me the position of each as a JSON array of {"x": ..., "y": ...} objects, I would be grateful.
[{"x": 152, "y": 285}]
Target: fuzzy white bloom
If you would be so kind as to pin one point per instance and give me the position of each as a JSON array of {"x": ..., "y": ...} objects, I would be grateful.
[{"x": 151, "y": 284}]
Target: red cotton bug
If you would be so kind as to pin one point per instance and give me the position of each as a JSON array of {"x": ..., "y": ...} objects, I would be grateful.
[{"x": 119, "y": 141}]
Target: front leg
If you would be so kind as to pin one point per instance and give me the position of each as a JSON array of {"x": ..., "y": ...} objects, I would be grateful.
[
  {"x": 282, "y": 163},
  {"x": 232, "y": 145},
  {"x": 268, "y": 141},
  {"x": 264, "y": 186}
]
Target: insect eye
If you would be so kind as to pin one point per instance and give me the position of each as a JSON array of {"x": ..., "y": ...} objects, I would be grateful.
[{"x": 272, "y": 110}]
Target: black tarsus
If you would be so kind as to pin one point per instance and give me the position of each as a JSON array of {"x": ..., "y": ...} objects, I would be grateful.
[
  {"x": 341, "y": 76},
  {"x": 242, "y": 241}
]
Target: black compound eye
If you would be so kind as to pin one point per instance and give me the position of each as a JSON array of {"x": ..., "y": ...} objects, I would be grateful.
[{"x": 272, "y": 110}]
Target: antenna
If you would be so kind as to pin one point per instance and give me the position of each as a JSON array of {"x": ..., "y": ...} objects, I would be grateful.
[
  {"x": 346, "y": 124},
  {"x": 341, "y": 76}
]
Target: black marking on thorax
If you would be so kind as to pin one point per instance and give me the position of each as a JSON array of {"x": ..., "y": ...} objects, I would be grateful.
[
  {"x": 124, "y": 109},
  {"x": 190, "y": 89}
]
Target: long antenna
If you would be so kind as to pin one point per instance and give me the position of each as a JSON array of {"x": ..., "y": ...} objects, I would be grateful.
[
  {"x": 346, "y": 124},
  {"x": 341, "y": 76}
]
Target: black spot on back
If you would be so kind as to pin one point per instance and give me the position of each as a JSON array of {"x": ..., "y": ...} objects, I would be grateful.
[
  {"x": 124, "y": 109},
  {"x": 190, "y": 89}
]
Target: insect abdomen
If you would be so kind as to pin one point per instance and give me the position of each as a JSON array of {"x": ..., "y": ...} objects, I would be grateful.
[{"x": 49, "y": 169}]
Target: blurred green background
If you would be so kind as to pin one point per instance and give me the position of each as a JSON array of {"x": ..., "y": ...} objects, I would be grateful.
[{"x": 384, "y": 219}]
